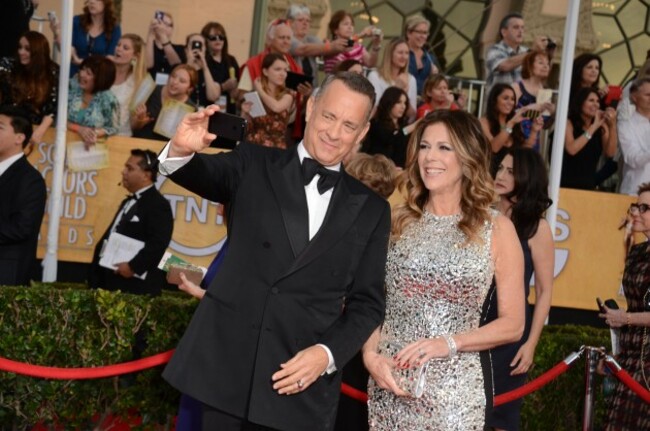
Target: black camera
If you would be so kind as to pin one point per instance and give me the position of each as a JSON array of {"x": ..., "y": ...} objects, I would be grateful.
[
  {"x": 550, "y": 44},
  {"x": 197, "y": 44}
]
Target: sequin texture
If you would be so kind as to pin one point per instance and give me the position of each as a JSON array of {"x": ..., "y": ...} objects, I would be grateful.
[{"x": 435, "y": 284}]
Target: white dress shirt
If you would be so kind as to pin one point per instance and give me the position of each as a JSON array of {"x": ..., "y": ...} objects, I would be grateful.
[{"x": 634, "y": 142}]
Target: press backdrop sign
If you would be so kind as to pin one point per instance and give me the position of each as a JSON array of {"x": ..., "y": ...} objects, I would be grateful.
[{"x": 91, "y": 199}]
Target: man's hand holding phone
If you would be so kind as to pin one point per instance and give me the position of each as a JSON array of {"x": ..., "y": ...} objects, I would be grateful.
[{"x": 192, "y": 135}]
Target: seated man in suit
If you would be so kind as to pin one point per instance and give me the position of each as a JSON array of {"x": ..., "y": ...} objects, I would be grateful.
[
  {"x": 302, "y": 284},
  {"x": 145, "y": 215},
  {"x": 23, "y": 199}
]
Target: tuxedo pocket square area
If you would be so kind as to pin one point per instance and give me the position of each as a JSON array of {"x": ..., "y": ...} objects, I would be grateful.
[{"x": 135, "y": 218}]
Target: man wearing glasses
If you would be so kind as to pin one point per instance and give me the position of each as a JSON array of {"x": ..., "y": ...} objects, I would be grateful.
[{"x": 146, "y": 216}]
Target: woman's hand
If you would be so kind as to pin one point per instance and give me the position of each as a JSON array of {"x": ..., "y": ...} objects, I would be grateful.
[
  {"x": 420, "y": 351},
  {"x": 88, "y": 136},
  {"x": 610, "y": 116},
  {"x": 402, "y": 81},
  {"x": 381, "y": 370},
  {"x": 523, "y": 360},
  {"x": 537, "y": 124},
  {"x": 257, "y": 85},
  {"x": 615, "y": 318},
  {"x": 305, "y": 89},
  {"x": 191, "y": 288},
  {"x": 246, "y": 108}
]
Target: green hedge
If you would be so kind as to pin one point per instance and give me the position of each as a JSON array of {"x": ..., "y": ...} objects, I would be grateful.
[{"x": 70, "y": 326}]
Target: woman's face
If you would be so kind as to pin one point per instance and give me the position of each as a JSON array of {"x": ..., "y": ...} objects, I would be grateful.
[
  {"x": 124, "y": 51},
  {"x": 399, "y": 108},
  {"x": 95, "y": 6},
  {"x": 541, "y": 67},
  {"x": 276, "y": 73},
  {"x": 86, "y": 80},
  {"x": 216, "y": 40},
  {"x": 24, "y": 51},
  {"x": 591, "y": 105},
  {"x": 439, "y": 165},
  {"x": 506, "y": 102},
  {"x": 590, "y": 73},
  {"x": 345, "y": 29},
  {"x": 400, "y": 56},
  {"x": 504, "y": 181},
  {"x": 440, "y": 92},
  {"x": 418, "y": 35},
  {"x": 641, "y": 222},
  {"x": 179, "y": 83}
]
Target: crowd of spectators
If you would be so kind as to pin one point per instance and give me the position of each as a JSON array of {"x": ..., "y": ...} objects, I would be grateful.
[{"x": 513, "y": 72}]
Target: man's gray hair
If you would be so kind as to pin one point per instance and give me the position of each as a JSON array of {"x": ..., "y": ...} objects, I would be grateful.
[
  {"x": 296, "y": 10},
  {"x": 353, "y": 81}
]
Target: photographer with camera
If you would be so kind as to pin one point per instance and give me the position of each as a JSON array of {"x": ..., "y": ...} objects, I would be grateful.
[
  {"x": 161, "y": 54},
  {"x": 208, "y": 90}
]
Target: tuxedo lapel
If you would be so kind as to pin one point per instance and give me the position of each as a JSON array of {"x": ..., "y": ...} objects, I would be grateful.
[
  {"x": 342, "y": 211},
  {"x": 286, "y": 182}
]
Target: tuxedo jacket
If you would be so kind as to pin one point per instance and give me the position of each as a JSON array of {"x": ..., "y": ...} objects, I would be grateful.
[
  {"x": 149, "y": 220},
  {"x": 277, "y": 292},
  {"x": 21, "y": 212}
]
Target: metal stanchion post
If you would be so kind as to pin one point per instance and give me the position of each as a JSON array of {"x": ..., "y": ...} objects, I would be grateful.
[{"x": 593, "y": 354}]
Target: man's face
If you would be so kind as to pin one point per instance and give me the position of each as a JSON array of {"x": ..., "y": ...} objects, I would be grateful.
[
  {"x": 641, "y": 98},
  {"x": 513, "y": 34},
  {"x": 133, "y": 176},
  {"x": 11, "y": 143},
  {"x": 337, "y": 121},
  {"x": 281, "y": 42},
  {"x": 300, "y": 25}
]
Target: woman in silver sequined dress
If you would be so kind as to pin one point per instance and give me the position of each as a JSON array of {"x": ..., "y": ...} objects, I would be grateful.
[{"x": 427, "y": 373}]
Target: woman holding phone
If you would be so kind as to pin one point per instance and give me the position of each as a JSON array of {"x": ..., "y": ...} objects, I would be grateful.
[{"x": 208, "y": 90}]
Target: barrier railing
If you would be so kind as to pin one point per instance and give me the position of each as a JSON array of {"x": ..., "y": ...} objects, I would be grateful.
[{"x": 593, "y": 355}]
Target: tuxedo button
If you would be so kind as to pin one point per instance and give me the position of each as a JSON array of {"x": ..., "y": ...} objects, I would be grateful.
[
  {"x": 266, "y": 244},
  {"x": 275, "y": 290}
]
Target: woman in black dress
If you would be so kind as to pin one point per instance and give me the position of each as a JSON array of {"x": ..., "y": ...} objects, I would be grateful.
[
  {"x": 521, "y": 182},
  {"x": 590, "y": 133},
  {"x": 388, "y": 134}
]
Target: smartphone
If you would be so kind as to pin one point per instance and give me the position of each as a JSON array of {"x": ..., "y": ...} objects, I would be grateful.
[
  {"x": 610, "y": 303},
  {"x": 601, "y": 307},
  {"x": 294, "y": 79},
  {"x": 350, "y": 43},
  {"x": 227, "y": 126},
  {"x": 159, "y": 15},
  {"x": 197, "y": 44}
]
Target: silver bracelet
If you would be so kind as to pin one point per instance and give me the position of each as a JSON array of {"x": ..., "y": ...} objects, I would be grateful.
[{"x": 453, "y": 349}]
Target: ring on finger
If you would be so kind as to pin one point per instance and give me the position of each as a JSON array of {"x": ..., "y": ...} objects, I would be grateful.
[
  {"x": 421, "y": 352},
  {"x": 300, "y": 384}
]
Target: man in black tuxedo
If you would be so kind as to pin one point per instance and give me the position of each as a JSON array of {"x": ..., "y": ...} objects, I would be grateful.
[
  {"x": 301, "y": 286},
  {"x": 23, "y": 200},
  {"x": 144, "y": 215}
]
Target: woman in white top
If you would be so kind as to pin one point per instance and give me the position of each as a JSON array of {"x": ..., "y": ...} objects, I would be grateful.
[
  {"x": 393, "y": 72},
  {"x": 130, "y": 69}
]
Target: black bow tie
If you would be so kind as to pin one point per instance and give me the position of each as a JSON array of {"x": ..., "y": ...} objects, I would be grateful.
[{"x": 328, "y": 177}]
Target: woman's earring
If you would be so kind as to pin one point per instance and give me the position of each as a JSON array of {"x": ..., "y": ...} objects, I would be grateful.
[{"x": 134, "y": 62}]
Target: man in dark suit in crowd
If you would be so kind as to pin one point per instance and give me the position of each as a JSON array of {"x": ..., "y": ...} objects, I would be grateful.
[
  {"x": 301, "y": 286},
  {"x": 145, "y": 215},
  {"x": 23, "y": 199}
]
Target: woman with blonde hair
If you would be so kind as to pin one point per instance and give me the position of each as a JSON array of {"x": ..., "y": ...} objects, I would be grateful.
[
  {"x": 130, "y": 70},
  {"x": 393, "y": 72},
  {"x": 182, "y": 81},
  {"x": 430, "y": 355}
]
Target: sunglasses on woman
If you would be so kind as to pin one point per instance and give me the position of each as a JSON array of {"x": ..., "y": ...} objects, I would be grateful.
[{"x": 214, "y": 37}]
